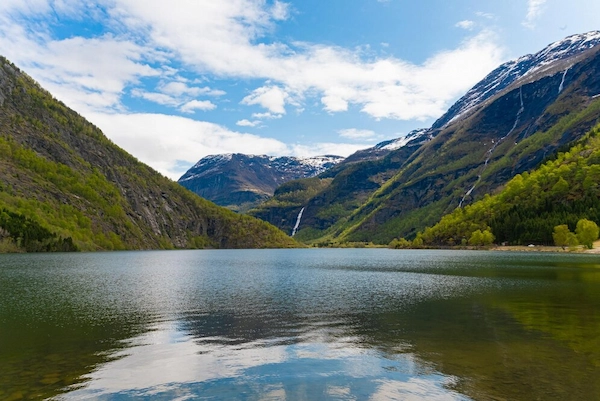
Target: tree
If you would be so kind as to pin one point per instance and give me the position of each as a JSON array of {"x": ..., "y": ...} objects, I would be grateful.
[
  {"x": 418, "y": 241},
  {"x": 587, "y": 232},
  {"x": 561, "y": 235},
  {"x": 487, "y": 238},
  {"x": 572, "y": 240},
  {"x": 476, "y": 238},
  {"x": 401, "y": 243}
]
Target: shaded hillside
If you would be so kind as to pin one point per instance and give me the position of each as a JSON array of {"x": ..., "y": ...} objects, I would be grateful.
[
  {"x": 562, "y": 191},
  {"x": 518, "y": 116},
  {"x": 60, "y": 171},
  {"x": 238, "y": 181}
]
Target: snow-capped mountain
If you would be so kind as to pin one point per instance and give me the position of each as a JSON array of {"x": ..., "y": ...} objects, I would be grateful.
[
  {"x": 558, "y": 56},
  {"x": 238, "y": 181},
  {"x": 414, "y": 138}
]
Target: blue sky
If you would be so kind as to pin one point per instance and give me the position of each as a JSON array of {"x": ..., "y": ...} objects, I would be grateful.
[{"x": 172, "y": 82}]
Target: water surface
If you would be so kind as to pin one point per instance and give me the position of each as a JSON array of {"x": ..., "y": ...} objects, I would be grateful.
[{"x": 362, "y": 324}]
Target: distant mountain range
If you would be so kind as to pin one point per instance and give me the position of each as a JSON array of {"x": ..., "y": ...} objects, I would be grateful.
[
  {"x": 521, "y": 114},
  {"x": 240, "y": 181}
]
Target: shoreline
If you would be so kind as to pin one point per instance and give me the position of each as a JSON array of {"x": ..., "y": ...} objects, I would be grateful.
[{"x": 546, "y": 248}]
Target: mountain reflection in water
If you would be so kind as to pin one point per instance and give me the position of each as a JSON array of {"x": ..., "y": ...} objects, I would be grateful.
[{"x": 365, "y": 324}]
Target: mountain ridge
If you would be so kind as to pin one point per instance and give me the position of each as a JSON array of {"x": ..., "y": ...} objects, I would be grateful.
[{"x": 239, "y": 181}]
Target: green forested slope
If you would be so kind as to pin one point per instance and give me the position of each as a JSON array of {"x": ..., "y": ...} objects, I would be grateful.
[
  {"x": 561, "y": 191},
  {"x": 471, "y": 154},
  {"x": 60, "y": 172}
]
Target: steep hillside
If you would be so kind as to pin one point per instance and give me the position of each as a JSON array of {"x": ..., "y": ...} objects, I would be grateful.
[
  {"x": 507, "y": 124},
  {"x": 61, "y": 173},
  {"x": 340, "y": 190},
  {"x": 562, "y": 191},
  {"x": 240, "y": 181},
  {"x": 512, "y": 132}
]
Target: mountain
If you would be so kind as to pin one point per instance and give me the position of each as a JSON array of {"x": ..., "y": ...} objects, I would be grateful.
[
  {"x": 65, "y": 186},
  {"x": 561, "y": 191},
  {"x": 560, "y": 55},
  {"x": 507, "y": 124},
  {"x": 240, "y": 181},
  {"x": 382, "y": 149},
  {"x": 338, "y": 191}
]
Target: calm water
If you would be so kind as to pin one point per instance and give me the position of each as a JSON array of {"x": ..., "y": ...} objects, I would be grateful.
[{"x": 364, "y": 324}]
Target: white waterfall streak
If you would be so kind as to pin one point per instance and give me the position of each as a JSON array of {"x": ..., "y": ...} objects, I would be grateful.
[
  {"x": 297, "y": 222},
  {"x": 562, "y": 83},
  {"x": 494, "y": 145}
]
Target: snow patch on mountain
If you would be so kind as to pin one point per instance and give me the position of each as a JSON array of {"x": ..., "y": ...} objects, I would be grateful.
[
  {"x": 301, "y": 166},
  {"x": 412, "y": 138},
  {"x": 514, "y": 70}
]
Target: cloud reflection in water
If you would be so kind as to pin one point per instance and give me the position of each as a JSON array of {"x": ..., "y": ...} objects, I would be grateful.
[{"x": 169, "y": 363}]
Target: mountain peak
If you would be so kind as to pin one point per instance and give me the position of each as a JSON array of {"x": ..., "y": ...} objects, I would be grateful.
[
  {"x": 543, "y": 62},
  {"x": 239, "y": 180}
]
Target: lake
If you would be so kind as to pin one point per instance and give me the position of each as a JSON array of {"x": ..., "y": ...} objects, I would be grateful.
[{"x": 302, "y": 324}]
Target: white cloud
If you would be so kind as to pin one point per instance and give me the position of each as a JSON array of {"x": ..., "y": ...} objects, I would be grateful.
[
  {"x": 327, "y": 148},
  {"x": 485, "y": 15},
  {"x": 334, "y": 103},
  {"x": 178, "y": 88},
  {"x": 224, "y": 39},
  {"x": 534, "y": 11},
  {"x": 193, "y": 105},
  {"x": 71, "y": 68},
  {"x": 271, "y": 98},
  {"x": 172, "y": 142},
  {"x": 465, "y": 24},
  {"x": 280, "y": 10},
  {"x": 185, "y": 106},
  {"x": 169, "y": 141},
  {"x": 266, "y": 116},
  {"x": 248, "y": 123},
  {"x": 154, "y": 97},
  {"x": 353, "y": 133},
  {"x": 221, "y": 40}
]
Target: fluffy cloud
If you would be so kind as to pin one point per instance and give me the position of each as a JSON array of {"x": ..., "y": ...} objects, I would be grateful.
[
  {"x": 151, "y": 41},
  {"x": 466, "y": 24},
  {"x": 271, "y": 98},
  {"x": 172, "y": 144},
  {"x": 171, "y": 141},
  {"x": 327, "y": 148},
  {"x": 193, "y": 105},
  {"x": 224, "y": 39},
  {"x": 247, "y": 123},
  {"x": 534, "y": 10},
  {"x": 178, "y": 88},
  {"x": 353, "y": 133}
]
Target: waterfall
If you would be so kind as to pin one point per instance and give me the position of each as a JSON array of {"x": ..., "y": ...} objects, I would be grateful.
[
  {"x": 495, "y": 144},
  {"x": 297, "y": 222},
  {"x": 562, "y": 83}
]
